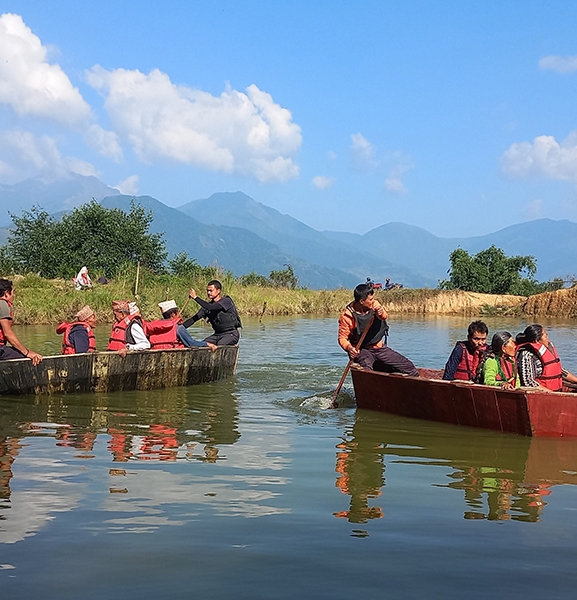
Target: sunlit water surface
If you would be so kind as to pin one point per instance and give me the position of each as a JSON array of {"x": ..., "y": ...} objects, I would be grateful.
[{"x": 254, "y": 488}]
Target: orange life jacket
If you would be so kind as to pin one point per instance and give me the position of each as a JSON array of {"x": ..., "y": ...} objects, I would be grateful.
[
  {"x": 120, "y": 334},
  {"x": 2, "y": 336},
  {"x": 66, "y": 328},
  {"x": 469, "y": 365},
  {"x": 552, "y": 376},
  {"x": 162, "y": 334}
]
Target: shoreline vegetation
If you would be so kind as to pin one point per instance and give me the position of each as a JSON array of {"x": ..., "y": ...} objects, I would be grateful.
[{"x": 51, "y": 301}]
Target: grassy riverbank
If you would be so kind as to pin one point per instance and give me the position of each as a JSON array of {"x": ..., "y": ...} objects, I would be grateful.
[{"x": 50, "y": 301}]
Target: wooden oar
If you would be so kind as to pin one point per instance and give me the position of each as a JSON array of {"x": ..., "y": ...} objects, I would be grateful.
[
  {"x": 184, "y": 306},
  {"x": 348, "y": 367}
]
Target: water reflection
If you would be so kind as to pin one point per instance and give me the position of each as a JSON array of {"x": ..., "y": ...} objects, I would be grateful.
[{"x": 501, "y": 477}]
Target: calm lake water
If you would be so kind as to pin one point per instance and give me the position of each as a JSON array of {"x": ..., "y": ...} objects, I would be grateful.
[{"x": 252, "y": 488}]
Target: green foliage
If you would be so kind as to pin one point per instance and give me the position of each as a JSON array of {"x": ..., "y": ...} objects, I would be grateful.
[
  {"x": 491, "y": 271},
  {"x": 284, "y": 278},
  {"x": 102, "y": 239},
  {"x": 255, "y": 279}
]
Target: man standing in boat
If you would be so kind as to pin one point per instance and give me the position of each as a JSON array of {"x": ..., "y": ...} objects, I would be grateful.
[
  {"x": 221, "y": 314},
  {"x": 366, "y": 313},
  {"x": 467, "y": 357},
  {"x": 7, "y": 335}
]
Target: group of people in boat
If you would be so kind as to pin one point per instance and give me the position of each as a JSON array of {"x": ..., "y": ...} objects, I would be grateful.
[
  {"x": 527, "y": 360},
  {"x": 130, "y": 331}
]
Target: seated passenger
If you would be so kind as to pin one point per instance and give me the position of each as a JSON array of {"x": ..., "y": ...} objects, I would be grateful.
[
  {"x": 170, "y": 332},
  {"x": 466, "y": 357},
  {"x": 538, "y": 362},
  {"x": 366, "y": 312},
  {"x": 128, "y": 329},
  {"x": 500, "y": 367},
  {"x": 79, "y": 336}
]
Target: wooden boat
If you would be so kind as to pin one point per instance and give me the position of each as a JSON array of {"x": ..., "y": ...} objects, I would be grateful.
[
  {"x": 523, "y": 411},
  {"x": 110, "y": 372}
]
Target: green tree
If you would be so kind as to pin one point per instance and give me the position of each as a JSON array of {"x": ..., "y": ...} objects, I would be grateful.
[
  {"x": 491, "y": 271},
  {"x": 102, "y": 239},
  {"x": 284, "y": 278}
]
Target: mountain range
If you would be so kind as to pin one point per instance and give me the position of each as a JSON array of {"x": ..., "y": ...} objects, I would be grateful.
[{"x": 242, "y": 235}]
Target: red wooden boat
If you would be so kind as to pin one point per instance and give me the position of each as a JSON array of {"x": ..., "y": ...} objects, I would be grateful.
[{"x": 522, "y": 411}]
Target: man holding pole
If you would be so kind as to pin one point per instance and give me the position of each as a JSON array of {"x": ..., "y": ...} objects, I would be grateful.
[{"x": 365, "y": 320}]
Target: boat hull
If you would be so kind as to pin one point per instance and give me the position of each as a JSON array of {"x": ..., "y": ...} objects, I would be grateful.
[
  {"x": 110, "y": 372},
  {"x": 524, "y": 412}
]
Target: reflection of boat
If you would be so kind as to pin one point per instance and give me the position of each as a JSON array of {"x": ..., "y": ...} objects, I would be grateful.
[
  {"x": 110, "y": 372},
  {"x": 501, "y": 477},
  {"x": 525, "y": 412}
]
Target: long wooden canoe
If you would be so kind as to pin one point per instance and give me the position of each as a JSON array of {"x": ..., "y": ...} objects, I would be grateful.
[
  {"x": 523, "y": 411},
  {"x": 110, "y": 372}
]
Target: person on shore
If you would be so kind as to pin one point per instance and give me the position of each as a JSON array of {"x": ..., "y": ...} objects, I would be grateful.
[
  {"x": 466, "y": 357},
  {"x": 170, "y": 332},
  {"x": 366, "y": 313},
  {"x": 7, "y": 336},
  {"x": 538, "y": 362},
  {"x": 82, "y": 280},
  {"x": 128, "y": 329},
  {"x": 500, "y": 366},
  {"x": 221, "y": 314},
  {"x": 79, "y": 336}
]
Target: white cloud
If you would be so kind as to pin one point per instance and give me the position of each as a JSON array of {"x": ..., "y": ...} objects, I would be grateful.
[
  {"x": 363, "y": 152},
  {"x": 401, "y": 163},
  {"x": 545, "y": 157},
  {"x": 29, "y": 83},
  {"x": 559, "y": 64},
  {"x": 322, "y": 182},
  {"x": 22, "y": 154},
  {"x": 394, "y": 185},
  {"x": 129, "y": 186},
  {"x": 236, "y": 132},
  {"x": 105, "y": 142}
]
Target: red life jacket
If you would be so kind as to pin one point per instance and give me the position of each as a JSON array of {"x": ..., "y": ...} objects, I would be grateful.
[
  {"x": 508, "y": 368},
  {"x": 66, "y": 328},
  {"x": 120, "y": 334},
  {"x": 2, "y": 337},
  {"x": 162, "y": 334},
  {"x": 552, "y": 376},
  {"x": 469, "y": 365}
]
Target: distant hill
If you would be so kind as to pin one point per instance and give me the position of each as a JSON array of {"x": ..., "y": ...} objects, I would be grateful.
[
  {"x": 233, "y": 248},
  {"x": 52, "y": 196},
  {"x": 300, "y": 240},
  {"x": 243, "y": 235}
]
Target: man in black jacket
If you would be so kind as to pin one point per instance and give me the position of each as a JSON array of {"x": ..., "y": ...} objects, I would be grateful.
[{"x": 221, "y": 314}]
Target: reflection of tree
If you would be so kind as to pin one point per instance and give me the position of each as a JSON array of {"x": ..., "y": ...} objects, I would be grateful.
[
  {"x": 9, "y": 448},
  {"x": 501, "y": 476}
]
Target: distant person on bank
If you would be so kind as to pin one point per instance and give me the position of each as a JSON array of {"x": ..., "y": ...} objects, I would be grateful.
[
  {"x": 221, "y": 314},
  {"x": 170, "y": 332},
  {"x": 467, "y": 356},
  {"x": 7, "y": 335},
  {"x": 538, "y": 362},
  {"x": 79, "y": 336},
  {"x": 128, "y": 329},
  {"x": 365, "y": 311},
  {"x": 82, "y": 280},
  {"x": 500, "y": 367}
]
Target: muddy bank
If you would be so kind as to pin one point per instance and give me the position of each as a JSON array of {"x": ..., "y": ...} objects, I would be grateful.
[
  {"x": 561, "y": 303},
  {"x": 453, "y": 302}
]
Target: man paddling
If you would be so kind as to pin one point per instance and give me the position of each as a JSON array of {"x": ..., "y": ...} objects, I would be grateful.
[
  {"x": 7, "y": 335},
  {"x": 366, "y": 312},
  {"x": 467, "y": 357},
  {"x": 221, "y": 314}
]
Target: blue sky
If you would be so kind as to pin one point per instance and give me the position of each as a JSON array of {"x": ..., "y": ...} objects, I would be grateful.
[{"x": 458, "y": 117}]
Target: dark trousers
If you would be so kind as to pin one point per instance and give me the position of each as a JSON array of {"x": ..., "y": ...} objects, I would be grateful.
[
  {"x": 228, "y": 338},
  {"x": 9, "y": 353},
  {"x": 386, "y": 359}
]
